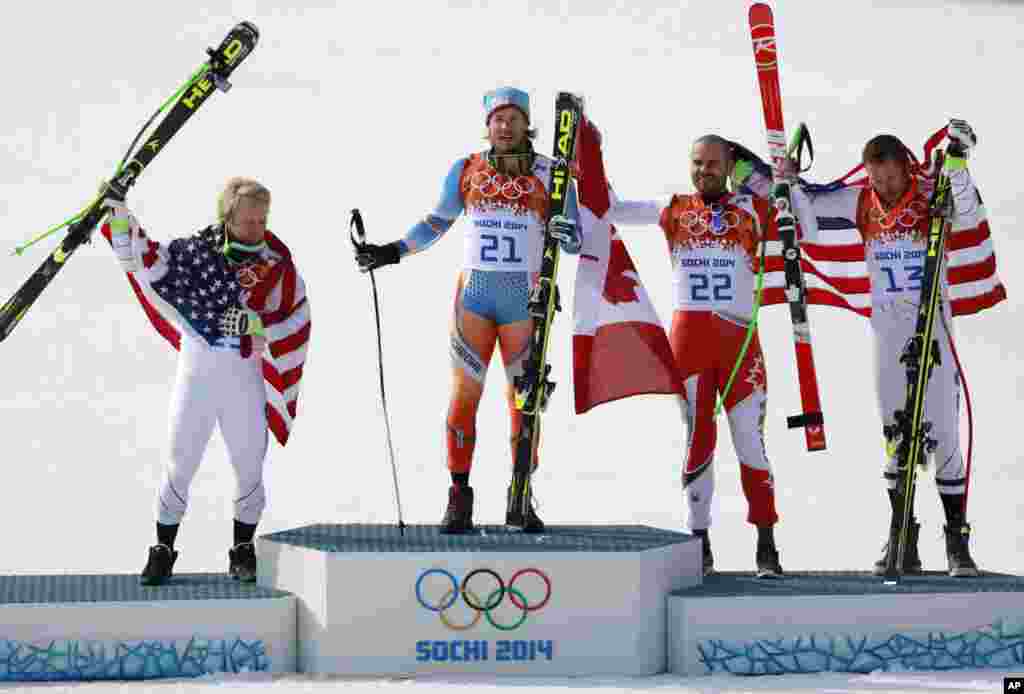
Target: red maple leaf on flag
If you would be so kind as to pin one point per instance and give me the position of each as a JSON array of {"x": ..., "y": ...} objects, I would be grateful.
[{"x": 621, "y": 282}]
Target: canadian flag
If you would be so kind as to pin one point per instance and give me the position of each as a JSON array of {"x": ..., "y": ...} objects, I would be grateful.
[{"x": 619, "y": 345}]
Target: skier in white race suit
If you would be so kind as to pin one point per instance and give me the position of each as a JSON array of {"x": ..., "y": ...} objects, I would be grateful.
[
  {"x": 229, "y": 297},
  {"x": 889, "y": 216}
]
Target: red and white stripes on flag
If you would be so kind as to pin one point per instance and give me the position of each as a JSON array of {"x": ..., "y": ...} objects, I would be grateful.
[
  {"x": 619, "y": 345},
  {"x": 280, "y": 299},
  {"x": 835, "y": 267}
]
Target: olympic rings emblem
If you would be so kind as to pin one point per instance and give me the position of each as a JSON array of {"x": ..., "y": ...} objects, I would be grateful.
[
  {"x": 251, "y": 274},
  {"x": 715, "y": 219},
  {"x": 492, "y": 601},
  {"x": 906, "y": 218},
  {"x": 492, "y": 185}
]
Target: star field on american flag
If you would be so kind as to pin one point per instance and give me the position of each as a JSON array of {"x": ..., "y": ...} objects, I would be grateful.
[{"x": 199, "y": 283}]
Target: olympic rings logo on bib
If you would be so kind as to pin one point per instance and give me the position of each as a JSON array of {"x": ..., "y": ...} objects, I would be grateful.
[
  {"x": 251, "y": 274},
  {"x": 907, "y": 218},
  {"x": 492, "y": 185},
  {"x": 715, "y": 219},
  {"x": 483, "y": 607}
]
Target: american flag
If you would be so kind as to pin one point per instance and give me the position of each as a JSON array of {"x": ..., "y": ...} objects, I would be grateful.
[
  {"x": 187, "y": 285},
  {"x": 834, "y": 261}
]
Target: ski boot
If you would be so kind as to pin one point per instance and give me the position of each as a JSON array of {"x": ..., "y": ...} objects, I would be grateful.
[
  {"x": 708, "y": 560},
  {"x": 458, "y": 517},
  {"x": 242, "y": 562},
  {"x": 528, "y": 521},
  {"x": 767, "y": 556},
  {"x": 911, "y": 559},
  {"x": 158, "y": 565},
  {"x": 957, "y": 554}
]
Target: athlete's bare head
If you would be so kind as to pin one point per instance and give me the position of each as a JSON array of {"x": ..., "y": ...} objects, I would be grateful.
[
  {"x": 711, "y": 162},
  {"x": 243, "y": 207},
  {"x": 887, "y": 162}
]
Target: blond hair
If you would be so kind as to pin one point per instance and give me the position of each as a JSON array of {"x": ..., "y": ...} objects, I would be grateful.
[{"x": 236, "y": 189}]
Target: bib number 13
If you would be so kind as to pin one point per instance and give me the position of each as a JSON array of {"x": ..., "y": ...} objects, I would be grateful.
[
  {"x": 704, "y": 287},
  {"x": 915, "y": 274}
]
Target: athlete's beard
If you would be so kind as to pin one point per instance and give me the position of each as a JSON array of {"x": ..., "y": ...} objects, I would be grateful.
[{"x": 517, "y": 163}]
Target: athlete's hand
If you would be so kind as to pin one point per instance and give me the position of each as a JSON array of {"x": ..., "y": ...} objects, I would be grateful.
[
  {"x": 120, "y": 223},
  {"x": 789, "y": 168},
  {"x": 961, "y": 138},
  {"x": 370, "y": 256},
  {"x": 566, "y": 232},
  {"x": 236, "y": 322}
]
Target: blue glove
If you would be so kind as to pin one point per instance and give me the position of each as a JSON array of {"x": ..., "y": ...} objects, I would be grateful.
[{"x": 566, "y": 232}]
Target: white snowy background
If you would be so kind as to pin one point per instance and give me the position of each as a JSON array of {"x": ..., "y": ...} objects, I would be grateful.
[{"x": 366, "y": 105}]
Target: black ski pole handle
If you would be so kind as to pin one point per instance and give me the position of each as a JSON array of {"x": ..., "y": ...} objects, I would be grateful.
[{"x": 356, "y": 230}]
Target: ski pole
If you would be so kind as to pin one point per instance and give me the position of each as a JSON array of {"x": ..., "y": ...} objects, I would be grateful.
[{"x": 357, "y": 234}]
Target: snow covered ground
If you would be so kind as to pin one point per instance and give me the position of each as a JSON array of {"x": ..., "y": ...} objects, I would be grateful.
[{"x": 367, "y": 105}]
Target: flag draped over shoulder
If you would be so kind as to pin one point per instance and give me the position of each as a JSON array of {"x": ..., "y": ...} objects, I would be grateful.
[
  {"x": 280, "y": 299},
  {"x": 835, "y": 266},
  {"x": 619, "y": 345}
]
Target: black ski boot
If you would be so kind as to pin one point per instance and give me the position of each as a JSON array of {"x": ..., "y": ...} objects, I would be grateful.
[
  {"x": 767, "y": 556},
  {"x": 242, "y": 562},
  {"x": 158, "y": 566},
  {"x": 957, "y": 553},
  {"x": 707, "y": 558},
  {"x": 911, "y": 559},
  {"x": 458, "y": 517},
  {"x": 528, "y": 521}
]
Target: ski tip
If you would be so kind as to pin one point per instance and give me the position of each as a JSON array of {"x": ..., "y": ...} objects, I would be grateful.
[
  {"x": 760, "y": 11},
  {"x": 249, "y": 28}
]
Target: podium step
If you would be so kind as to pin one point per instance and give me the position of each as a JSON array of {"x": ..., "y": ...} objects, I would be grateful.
[
  {"x": 578, "y": 599},
  {"x": 846, "y": 621},
  {"x": 107, "y": 626}
]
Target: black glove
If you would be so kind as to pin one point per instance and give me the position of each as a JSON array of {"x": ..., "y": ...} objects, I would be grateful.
[{"x": 370, "y": 256}]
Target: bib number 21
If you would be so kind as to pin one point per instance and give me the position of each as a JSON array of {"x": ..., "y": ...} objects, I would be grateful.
[{"x": 492, "y": 245}]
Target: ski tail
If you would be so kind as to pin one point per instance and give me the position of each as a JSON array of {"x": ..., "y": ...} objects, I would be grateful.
[
  {"x": 762, "y": 35},
  {"x": 235, "y": 47}
]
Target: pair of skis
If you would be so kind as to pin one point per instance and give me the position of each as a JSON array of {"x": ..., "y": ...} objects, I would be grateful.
[
  {"x": 762, "y": 34},
  {"x": 211, "y": 76},
  {"x": 910, "y": 433},
  {"x": 533, "y": 387}
]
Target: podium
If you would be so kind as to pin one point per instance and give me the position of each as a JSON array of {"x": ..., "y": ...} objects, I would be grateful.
[
  {"x": 98, "y": 627},
  {"x": 576, "y": 600},
  {"x": 846, "y": 621}
]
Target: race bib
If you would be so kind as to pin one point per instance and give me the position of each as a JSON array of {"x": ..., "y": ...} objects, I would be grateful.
[
  {"x": 897, "y": 270},
  {"x": 711, "y": 279},
  {"x": 507, "y": 242}
]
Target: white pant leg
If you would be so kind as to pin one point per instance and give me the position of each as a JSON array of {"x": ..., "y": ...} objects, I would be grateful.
[
  {"x": 746, "y": 423},
  {"x": 701, "y": 489},
  {"x": 193, "y": 413},
  {"x": 942, "y": 409},
  {"x": 243, "y": 424},
  {"x": 892, "y": 328}
]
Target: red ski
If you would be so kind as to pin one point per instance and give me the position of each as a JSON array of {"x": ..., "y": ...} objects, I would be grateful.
[{"x": 762, "y": 33}]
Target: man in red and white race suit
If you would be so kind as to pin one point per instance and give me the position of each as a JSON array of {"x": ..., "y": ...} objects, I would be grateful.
[{"x": 713, "y": 239}]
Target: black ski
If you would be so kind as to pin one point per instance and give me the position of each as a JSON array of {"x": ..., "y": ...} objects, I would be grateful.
[
  {"x": 533, "y": 388},
  {"x": 235, "y": 47},
  {"x": 910, "y": 433}
]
